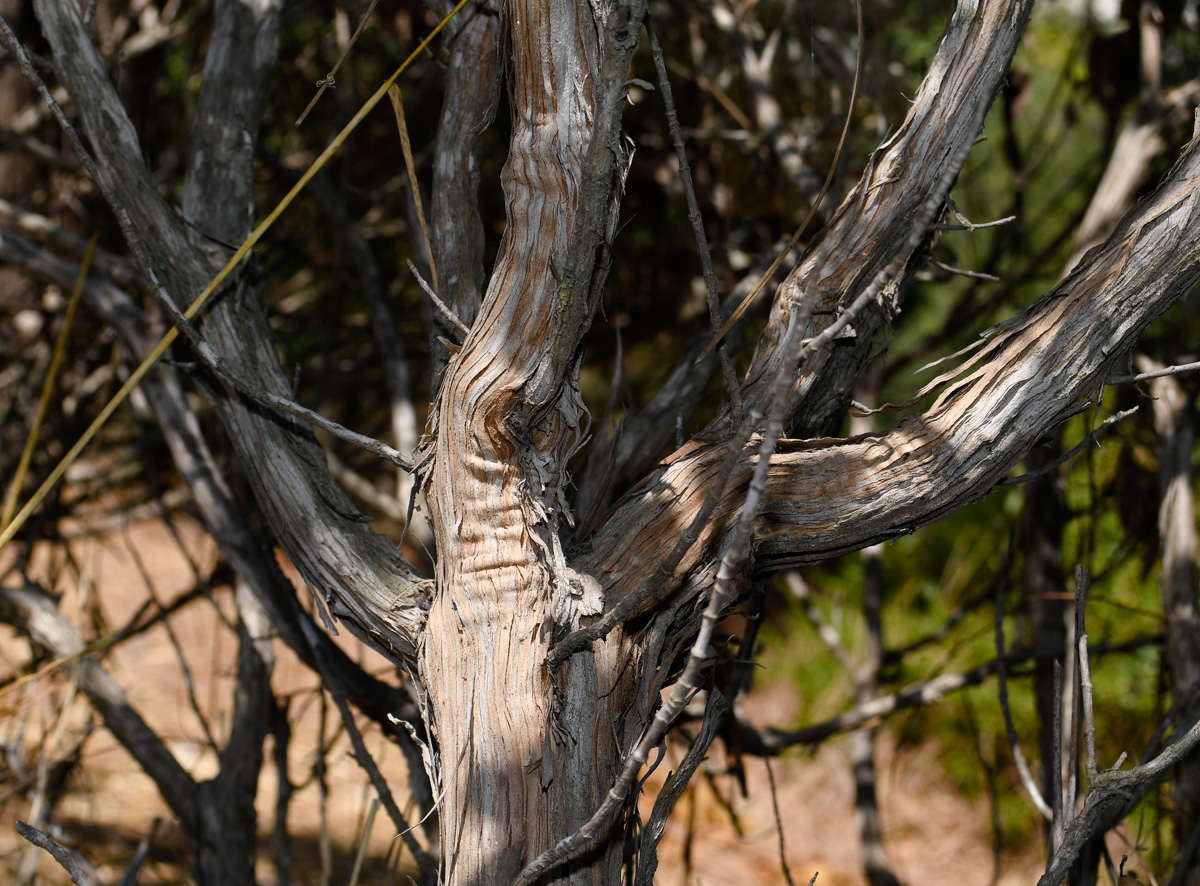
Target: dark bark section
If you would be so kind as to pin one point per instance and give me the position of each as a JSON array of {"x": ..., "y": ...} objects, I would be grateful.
[
  {"x": 359, "y": 574},
  {"x": 1042, "y": 584},
  {"x": 473, "y": 78}
]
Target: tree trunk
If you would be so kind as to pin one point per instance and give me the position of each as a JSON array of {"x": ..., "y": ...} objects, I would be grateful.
[
  {"x": 518, "y": 773},
  {"x": 1173, "y": 422}
]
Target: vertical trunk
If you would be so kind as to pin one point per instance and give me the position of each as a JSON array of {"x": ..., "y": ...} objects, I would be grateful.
[
  {"x": 516, "y": 774},
  {"x": 1177, "y": 533}
]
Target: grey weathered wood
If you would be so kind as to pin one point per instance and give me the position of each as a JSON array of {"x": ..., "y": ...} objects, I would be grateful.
[
  {"x": 473, "y": 80},
  {"x": 1174, "y": 423},
  {"x": 526, "y": 755},
  {"x": 358, "y": 573}
]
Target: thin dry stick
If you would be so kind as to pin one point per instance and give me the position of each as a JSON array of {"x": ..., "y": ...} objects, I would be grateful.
[
  {"x": 1067, "y": 456},
  {"x": 1060, "y": 812},
  {"x": 130, "y": 877},
  {"x": 696, "y": 219},
  {"x": 773, "y": 741},
  {"x": 13, "y": 45},
  {"x": 1010, "y": 729},
  {"x": 833, "y": 167},
  {"x": 214, "y": 363},
  {"x": 1108, "y": 788},
  {"x": 60, "y": 346},
  {"x": 1157, "y": 373},
  {"x": 337, "y": 692},
  {"x": 673, "y": 787},
  {"x": 406, "y": 146},
  {"x": 1085, "y": 676},
  {"x": 60, "y": 853},
  {"x": 188, "y": 680},
  {"x": 327, "y": 81},
  {"x": 442, "y": 307},
  {"x": 787, "y": 872}
]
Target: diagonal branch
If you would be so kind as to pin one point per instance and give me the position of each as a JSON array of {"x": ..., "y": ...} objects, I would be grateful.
[{"x": 359, "y": 574}]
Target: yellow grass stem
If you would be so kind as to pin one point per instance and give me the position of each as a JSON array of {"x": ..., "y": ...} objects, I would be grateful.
[
  {"x": 362, "y": 844},
  {"x": 398, "y": 107},
  {"x": 18, "y": 480},
  {"x": 138, "y": 374}
]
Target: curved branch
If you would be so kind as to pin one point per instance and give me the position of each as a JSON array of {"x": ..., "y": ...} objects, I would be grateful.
[
  {"x": 881, "y": 222},
  {"x": 828, "y": 497}
]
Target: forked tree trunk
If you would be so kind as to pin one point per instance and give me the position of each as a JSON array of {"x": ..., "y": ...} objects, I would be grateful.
[
  {"x": 506, "y": 426},
  {"x": 527, "y": 753}
]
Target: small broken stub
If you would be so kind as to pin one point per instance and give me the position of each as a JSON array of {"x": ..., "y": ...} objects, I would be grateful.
[{"x": 576, "y": 595}]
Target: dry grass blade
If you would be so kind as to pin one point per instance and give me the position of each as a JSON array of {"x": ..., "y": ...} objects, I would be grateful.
[
  {"x": 14, "y": 489},
  {"x": 406, "y": 146},
  {"x": 362, "y": 844}
]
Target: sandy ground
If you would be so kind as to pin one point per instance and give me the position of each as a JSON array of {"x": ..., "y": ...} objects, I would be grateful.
[{"x": 933, "y": 835}]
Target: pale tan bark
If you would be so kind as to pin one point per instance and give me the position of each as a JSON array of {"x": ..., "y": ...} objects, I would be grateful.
[
  {"x": 505, "y": 428},
  {"x": 527, "y": 754}
]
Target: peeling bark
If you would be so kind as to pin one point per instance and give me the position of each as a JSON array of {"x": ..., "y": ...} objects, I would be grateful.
[{"x": 526, "y": 753}]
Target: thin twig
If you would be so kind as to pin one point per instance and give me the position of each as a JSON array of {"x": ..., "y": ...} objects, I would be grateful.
[
  {"x": 173, "y": 639},
  {"x": 1014, "y": 742},
  {"x": 931, "y": 691},
  {"x": 363, "y": 757},
  {"x": 969, "y": 226},
  {"x": 647, "y": 857},
  {"x": 787, "y": 872},
  {"x": 1059, "y": 810},
  {"x": 974, "y": 275},
  {"x": 696, "y": 219},
  {"x": 442, "y": 307},
  {"x": 327, "y": 82},
  {"x": 1075, "y": 450},
  {"x": 1108, "y": 791},
  {"x": 214, "y": 363},
  {"x": 60, "y": 853},
  {"x": 130, "y": 877},
  {"x": 1157, "y": 373},
  {"x": 1085, "y": 676}
]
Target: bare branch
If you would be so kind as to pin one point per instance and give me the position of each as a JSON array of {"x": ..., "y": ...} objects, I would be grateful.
[
  {"x": 1085, "y": 674},
  {"x": 442, "y": 307},
  {"x": 1094, "y": 435},
  {"x": 647, "y": 850},
  {"x": 60, "y": 853},
  {"x": 1155, "y": 373},
  {"x": 697, "y": 220},
  {"x": 774, "y": 741},
  {"x": 1014, "y": 741},
  {"x": 364, "y": 759}
]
